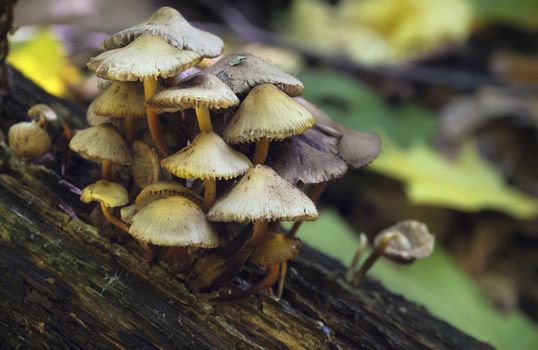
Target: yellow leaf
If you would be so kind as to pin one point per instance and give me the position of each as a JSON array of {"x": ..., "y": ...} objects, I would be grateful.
[{"x": 42, "y": 58}]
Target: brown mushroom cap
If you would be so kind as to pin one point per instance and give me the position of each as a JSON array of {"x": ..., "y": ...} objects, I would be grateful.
[
  {"x": 173, "y": 221},
  {"x": 412, "y": 241},
  {"x": 121, "y": 100},
  {"x": 146, "y": 167},
  {"x": 309, "y": 158},
  {"x": 275, "y": 249},
  {"x": 267, "y": 113},
  {"x": 101, "y": 142},
  {"x": 28, "y": 140},
  {"x": 169, "y": 24},
  {"x": 198, "y": 91},
  {"x": 320, "y": 115},
  {"x": 163, "y": 189},
  {"x": 110, "y": 194},
  {"x": 147, "y": 57},
  {"x": 207, "y": 157},
  {"x": 358, "y": 148},
  {"x": 242, "y": 71},
  {"x": 263, "y": 195}
]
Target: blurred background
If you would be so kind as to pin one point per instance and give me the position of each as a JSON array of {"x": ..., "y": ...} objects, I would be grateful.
[{"x": 451, "y": 87}]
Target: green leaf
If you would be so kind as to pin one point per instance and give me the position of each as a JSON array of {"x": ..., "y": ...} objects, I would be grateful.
[
  {"x": 435, "y": 282},
  {"x": 519, "y": 12}
]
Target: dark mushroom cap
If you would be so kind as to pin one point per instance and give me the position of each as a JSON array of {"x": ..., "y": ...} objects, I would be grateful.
[
  {"x": 275, "y": 249},
  {"x": 358, "y": 148},
  {"x": 242, "y": 71},
  {"x": 412, "y": 241}
]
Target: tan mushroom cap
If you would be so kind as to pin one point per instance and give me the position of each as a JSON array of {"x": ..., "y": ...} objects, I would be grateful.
[
  {"x": 199, "y": 91},
  {"x": 358, "y": 148},
  {"x": 169, "y": 24},
  {"x": 110, "y": 194},
  {"x": 121, "y": 100},
  {"x": 309, "y": 158},
  {"x": 275, "y": 249},
  {"x": 146, "y": 168},
  {"x": 243, "y": 71},
  {"x": 163, "y": 189},
  {"x": 147, "y": 57},
  {"x": 93, "y": 119},
  {"x": 28, "y": 140},
  {"x": 413, "y": 241},
  {"x": 42, "y": 110},
  {"x": 127, "y": 213},
  {"x": 173, "y": 221},
  {"x": 263, "y": 195},
  {"x": 207, "y": 157},
  {"x": 267, "y": 113},
  {"x": 101, "y": 142}
]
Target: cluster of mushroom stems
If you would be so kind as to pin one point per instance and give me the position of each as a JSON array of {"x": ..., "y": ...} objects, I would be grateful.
[{"x": 252, "y": 125}]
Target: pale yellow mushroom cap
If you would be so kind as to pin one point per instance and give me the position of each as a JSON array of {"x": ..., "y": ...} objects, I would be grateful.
[
  {"x": 110, "y": 194},
  {"x": 146, "y": 167},
  {"x": 28, "y": 140},
  {"x": 101, "y": 142},
  {"x": 275, "y": 249},
  {"x": 121, "y": 100},
  {"x": 207, "y": 157},
  {"x": 267, "y": 113},
  {"x": 93, "y": 119},
  {"x": 263, "y": 195},
  {"x": 243, "y": 71},
  {"x": 412, "y": 241},
  {"x": 147, "y": 57},
  {"x": 173, "y": 221},
  {"x": 163, "y": 189},
  {"x": 199, "y": 91},
  {"x": 169, "y": 24}
]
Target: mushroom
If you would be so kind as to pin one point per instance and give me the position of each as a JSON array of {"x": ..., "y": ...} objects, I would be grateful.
[
  {"x": 208, "y": 158},
  {"x": 30, "y": 139},
  {"x": 163, "y": 189},
  {"x": 267, "y": 114},
  {"x": 243, "y": 71},
  {"x": 102, "y": 144},
  {"x": 146, "y": 167},
  {"x": 260, "y": 196},
  {"x": 169, "y": 24},
  {"x": 146, "y": 58},
  {"x": 109, "y": 195},
  {"x": 93, "y": 119},
  {"x": 404, "y": 243},
  {"x": 122, "y": 100}
]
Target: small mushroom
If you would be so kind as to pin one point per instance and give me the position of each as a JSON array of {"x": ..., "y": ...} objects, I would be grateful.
[
  {"x": 163, "y": 189},
  {"x": 267, "y": 114},
  {"x": 404, "y": 243},
  {"x": 30, "y": 139},
  {"x": 102, "y": 144},
  {"x": 208, "y": 158},
  {"x": 109, "y": 195},
  {"x": 146, "y": 167},
  {"x": 93, "y": 119}
]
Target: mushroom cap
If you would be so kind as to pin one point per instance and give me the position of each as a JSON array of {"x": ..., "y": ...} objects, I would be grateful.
[
  {"x": 110, "y": 194},
  {"x": 319, "y": 114},
  {"x": 28, "y": 140},
  {"x": 93, "y": 119},
  {"x": 147, "y": 57},
  {"x": 309, "y": 158},
  {"x": 146, "y": 168},
  {"x": 127, "y": 213},
  {"x": 267, "y": 113},
  {"x": 173, "y": 221},
  {"x": 121, "y": 100},
  {"x": 207, "y": 157},
  {"x": 275, "y": 249},
  {"x": 163, "y": 189},
  {"x": 263, "y": 195},
  {"x": 243, "y": 71},
  {"x": 198, "y": 91},
  {"x": 357, "y": 148},
  {"x": 101, "y": 142},
  {"x": 42, "y": 110},
  {"x": 169, "y": 24},
  {"x": 413, "y": 241}
]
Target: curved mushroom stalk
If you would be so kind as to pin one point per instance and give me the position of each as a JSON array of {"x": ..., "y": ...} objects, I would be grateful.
[{"x": 150, "y": 88}]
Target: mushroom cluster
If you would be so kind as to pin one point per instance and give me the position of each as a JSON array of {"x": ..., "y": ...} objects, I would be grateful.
[{"x": 244, "y": 148}]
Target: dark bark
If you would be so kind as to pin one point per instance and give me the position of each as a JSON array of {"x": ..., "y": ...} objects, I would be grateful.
[{"x": 65, "y": 285}]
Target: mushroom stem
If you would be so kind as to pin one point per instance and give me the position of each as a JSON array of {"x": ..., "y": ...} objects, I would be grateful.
[
  {"x": 378, "y": 251},
  {"x": 363, "y": 244},
  {"x": 317, "y": 191},
  {"x": 106, "y": 169},
  {"x": 282, "y": 279},
  {"x": 259, "y": 233},
  {"x": 171, "y": 81},
  {"x": 42, "y": 121},
  {"x": 150, "y": 87},
  {"x": 266, "y": 282},
  {"x": 204, "y": 119},
  {"x": 260, "y": 153},
  {"x": 114, "y": 220},
  {"x": 130, "y": 129},
  {"x": 210, "y": 193}
]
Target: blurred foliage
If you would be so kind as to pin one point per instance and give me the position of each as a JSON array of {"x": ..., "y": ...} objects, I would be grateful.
[
  {"x": 435, "y": 282},
  {"x": 467, "y": 183},
  {"x": 515, "y": 12},
  {"x": 41, "y": 56}
]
